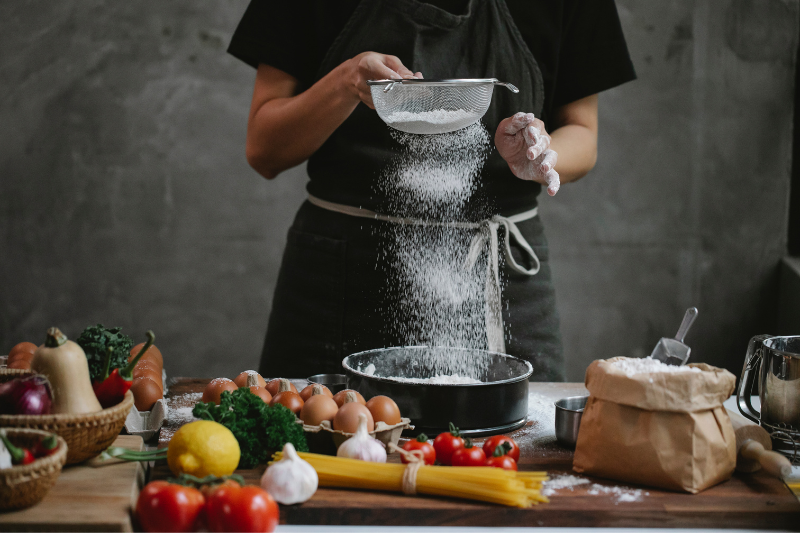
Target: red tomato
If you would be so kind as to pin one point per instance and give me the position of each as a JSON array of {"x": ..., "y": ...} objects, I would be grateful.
[
  {"x": 447, "y": 443},
  {"x": 493, "y": 442},
  {"x": 505, "y": 462},
  {"x": 469, "y": 455},
  {"x": 421, "y": 444},
  {"x": 165, "y": 506},
  {"x": 231, "y": 507}
]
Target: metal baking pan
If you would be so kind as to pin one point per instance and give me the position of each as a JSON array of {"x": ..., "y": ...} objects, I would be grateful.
[{"x": 498, "y": 404}]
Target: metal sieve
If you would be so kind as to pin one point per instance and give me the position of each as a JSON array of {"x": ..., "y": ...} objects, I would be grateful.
[{"x": 433, "y": 106}]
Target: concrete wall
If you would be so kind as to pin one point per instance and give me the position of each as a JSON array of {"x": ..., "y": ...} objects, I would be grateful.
[{"x": 125, "y": 197}]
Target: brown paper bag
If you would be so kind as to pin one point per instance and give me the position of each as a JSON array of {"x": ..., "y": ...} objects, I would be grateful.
[{"x": 665, "y": 430}]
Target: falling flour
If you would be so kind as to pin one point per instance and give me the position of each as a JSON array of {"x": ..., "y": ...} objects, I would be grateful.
[
  {"x": 440, "y": 302},
  {"x": 648, "y": 365}
]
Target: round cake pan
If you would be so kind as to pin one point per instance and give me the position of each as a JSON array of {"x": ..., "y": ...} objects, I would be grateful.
[{"x": 498, "y": 404}]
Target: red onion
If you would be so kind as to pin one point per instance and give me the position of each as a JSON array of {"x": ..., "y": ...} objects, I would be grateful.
[{"x": 26, "y": 396}]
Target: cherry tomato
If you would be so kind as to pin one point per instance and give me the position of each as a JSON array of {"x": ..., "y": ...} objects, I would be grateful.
[
  {"x": 421, "y": 444},
  {"x": 166, "y": 506},
  {"x": 469, "y": 455},
  {"x": 505, "y": 462},
  {"x": 493, "y": 442},
  {"x": 447, "y": 443},
  {"x": 27, "y": 456},
  {"x": 231, "y": 507}
]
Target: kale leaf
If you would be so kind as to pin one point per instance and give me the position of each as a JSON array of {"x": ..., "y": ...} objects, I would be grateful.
[
  {"x": 95, "y": 339},
  {"x": 259, "y": 428}
]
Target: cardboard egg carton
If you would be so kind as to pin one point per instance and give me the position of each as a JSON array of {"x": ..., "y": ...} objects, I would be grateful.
[{"x": 324, "y": 439}]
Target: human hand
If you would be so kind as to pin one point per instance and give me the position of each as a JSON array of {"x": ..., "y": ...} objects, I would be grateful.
[
  {"x": 374, "y": 66},
  {"x": 525, "y": 145}
]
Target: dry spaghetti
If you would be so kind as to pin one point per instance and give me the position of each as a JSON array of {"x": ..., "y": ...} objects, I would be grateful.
[{"x": 488, "y": 484}]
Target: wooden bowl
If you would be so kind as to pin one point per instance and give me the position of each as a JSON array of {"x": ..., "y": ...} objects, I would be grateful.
[
  {"x": 86, "y": 434},
  {"x": 25, "y": 485}
]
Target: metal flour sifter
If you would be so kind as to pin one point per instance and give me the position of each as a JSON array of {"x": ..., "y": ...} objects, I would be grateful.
[{"x": 433, "y": 106}]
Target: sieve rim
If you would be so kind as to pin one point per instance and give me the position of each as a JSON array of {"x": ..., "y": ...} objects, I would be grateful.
[{"x": 449, "y": 81}]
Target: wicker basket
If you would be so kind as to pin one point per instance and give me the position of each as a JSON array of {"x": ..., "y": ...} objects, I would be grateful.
[
  {"x": 8, "y": 374},
  {"x": 25, "y": 485},
  {"x": 86, "y": 434}
]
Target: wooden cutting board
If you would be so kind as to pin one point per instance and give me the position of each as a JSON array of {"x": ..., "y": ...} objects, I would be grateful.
[{"x": 85, "y": 498}]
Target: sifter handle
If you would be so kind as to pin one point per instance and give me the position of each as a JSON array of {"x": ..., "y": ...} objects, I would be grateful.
[
  {"x": 510, "y": 86},
  {"x": 772, "y": 462}
]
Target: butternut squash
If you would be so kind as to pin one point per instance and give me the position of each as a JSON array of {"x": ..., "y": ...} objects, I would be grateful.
[{"x": 65, "y": 365}]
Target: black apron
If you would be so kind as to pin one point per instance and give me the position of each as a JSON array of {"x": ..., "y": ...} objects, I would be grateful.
[{"x": 333, "y": 296}]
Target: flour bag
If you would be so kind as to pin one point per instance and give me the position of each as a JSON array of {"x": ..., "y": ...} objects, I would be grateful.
[{"x": 664, "y": 429}]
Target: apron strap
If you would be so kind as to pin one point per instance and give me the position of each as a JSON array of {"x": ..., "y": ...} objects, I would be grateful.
[{"x": 487, "y": 234}]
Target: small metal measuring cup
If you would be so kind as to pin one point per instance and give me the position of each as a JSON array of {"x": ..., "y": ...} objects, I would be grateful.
[
  {"x": 334, "y": 382},
  {"x": 568, "y": 419},
  {"x": 674, "y": 351}
]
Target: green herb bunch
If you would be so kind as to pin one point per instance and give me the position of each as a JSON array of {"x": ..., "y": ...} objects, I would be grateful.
[
  {"x": 259, "y": 428},
  {"x": 96, "y": 339}
]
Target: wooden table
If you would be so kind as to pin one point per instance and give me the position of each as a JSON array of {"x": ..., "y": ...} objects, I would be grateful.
[
  {"x": 746, "y": 501},
  {"x": 85, "y": 498}
]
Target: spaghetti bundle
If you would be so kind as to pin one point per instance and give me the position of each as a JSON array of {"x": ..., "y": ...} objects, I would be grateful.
[{"x": 483, "y": 483}]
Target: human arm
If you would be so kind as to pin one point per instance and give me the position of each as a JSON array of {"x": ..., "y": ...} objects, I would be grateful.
[
  {"x": 565, "y": 155},
  {"x": 285, "y": 128}
]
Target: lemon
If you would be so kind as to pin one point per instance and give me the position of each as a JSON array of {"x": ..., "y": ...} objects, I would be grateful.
[{"x": 201, "y": 448}]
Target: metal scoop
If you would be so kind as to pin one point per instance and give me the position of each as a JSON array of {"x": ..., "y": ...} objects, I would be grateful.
[{"x": 674, "y": 351}]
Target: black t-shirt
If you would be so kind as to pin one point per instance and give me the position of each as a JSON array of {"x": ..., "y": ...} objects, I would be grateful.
[{"x": 578, "y": 45}]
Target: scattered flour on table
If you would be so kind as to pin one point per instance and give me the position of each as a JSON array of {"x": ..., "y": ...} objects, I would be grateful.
[
  {"x": 620, "y": 494},
  {"x": 179, "y": 413},
  {"x": 648, "y": 365},
  {"x": 564, "y": 481}
]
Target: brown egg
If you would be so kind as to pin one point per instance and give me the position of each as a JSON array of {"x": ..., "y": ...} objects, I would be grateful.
[
  {"x": 20, "y": 364},
  {"x": 146, "y": 365},
  {"x": 308, "y": 392},
  {"x": 152, "y": 353},
  {"x": 384, "y": 409},
  {"x": 262, "y": 393},
  {"x": 289, "y": 399},
  {"x": 22, "y": 347},
  {"x": 346, "y": 418},
  {"x": 341, "y": 396},
  {"x": 241, "y": 379},
  {"x": 274, "y": 386},
  {"x": 145, "y": 393},
  {"x": 215, "y": 389},
  {"x": 319, "y": 407},
  {"x": 151, "y": 373}
]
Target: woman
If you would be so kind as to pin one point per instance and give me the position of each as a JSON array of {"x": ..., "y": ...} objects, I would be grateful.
[{"x": 313, "y": 60}]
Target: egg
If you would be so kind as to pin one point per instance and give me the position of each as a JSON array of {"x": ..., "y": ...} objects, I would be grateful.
[
  {"x": 288, "y": 399},
  {"x": 147, "y": 367},
  {"x": 384, "y": 409},
  {"x": 341, "y": 396},
  {"x": 216, "y": 387},
  {"x": 145, "y": 393},
  {"x": 20, "y": 364},
  {"x": 261, "y": 392},
  {"x": 307, "y": 392},
  {"x": 22, "y": 347},
  {"x": 274, "y": 386},
  {"x": 241, "y": 379},
  {"x": 318, "y": 408},
  {"x": 346, "y": 418},
  {"x": 152, "y": 353},
  {"x": 151, "y": 373}
]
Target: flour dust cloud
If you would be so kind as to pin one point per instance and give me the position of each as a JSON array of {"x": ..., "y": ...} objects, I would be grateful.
[{"x": 441, "y": 301}]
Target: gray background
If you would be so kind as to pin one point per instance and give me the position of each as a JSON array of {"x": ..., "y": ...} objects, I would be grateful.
[{"x": 125, "y": 197}]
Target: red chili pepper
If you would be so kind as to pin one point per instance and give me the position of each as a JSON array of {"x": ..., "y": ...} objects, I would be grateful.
[
  {"x": 111, "y": 390},
  {"x": 19, "y": 456},
  {"x": 46, "y": 446}
]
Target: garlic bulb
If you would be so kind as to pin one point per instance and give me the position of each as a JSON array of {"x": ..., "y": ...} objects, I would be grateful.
[
  {"x": 290, "y": 480},
  {"x": 362, "y": 446}
]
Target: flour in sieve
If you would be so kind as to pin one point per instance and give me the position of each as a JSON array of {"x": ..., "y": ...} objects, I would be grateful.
[{"x": 437, "y": 116}]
